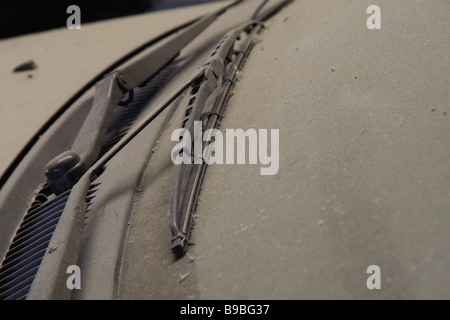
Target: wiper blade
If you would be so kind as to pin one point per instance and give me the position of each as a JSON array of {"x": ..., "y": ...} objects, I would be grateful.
[
  {"x": 66, "y": 169},
  {"x": 209, "y": 95}
]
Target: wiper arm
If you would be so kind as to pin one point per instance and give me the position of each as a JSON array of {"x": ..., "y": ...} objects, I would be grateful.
[{"x": 66, "y": 169}]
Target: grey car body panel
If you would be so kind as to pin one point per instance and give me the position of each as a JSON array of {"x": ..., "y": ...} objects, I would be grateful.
[{"x": 363, "y": 180}]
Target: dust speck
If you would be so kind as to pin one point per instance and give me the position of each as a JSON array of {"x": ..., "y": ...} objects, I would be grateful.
[
  {"x": 184, "y": 276},
  {"x": 257, "y": 39},
  {"x": 191, "y": 258}
]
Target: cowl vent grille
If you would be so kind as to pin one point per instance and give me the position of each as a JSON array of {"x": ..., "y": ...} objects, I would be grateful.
[{"x": 30, "y": 243}]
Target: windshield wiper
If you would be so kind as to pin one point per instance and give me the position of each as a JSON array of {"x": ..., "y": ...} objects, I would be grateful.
[
  {"x": 66, "y": 169},
  {"x": 209, "y": 95}
]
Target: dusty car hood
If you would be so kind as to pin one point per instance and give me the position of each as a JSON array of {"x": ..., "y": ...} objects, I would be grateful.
[
  {"x": 67, "y": 60},
  {"x": 363, "y": 178}
]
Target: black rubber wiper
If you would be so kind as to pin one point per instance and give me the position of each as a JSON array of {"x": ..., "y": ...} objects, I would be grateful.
[
  {"x": 66, "y": 169},
  {"x": 209, "y": 96}
]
